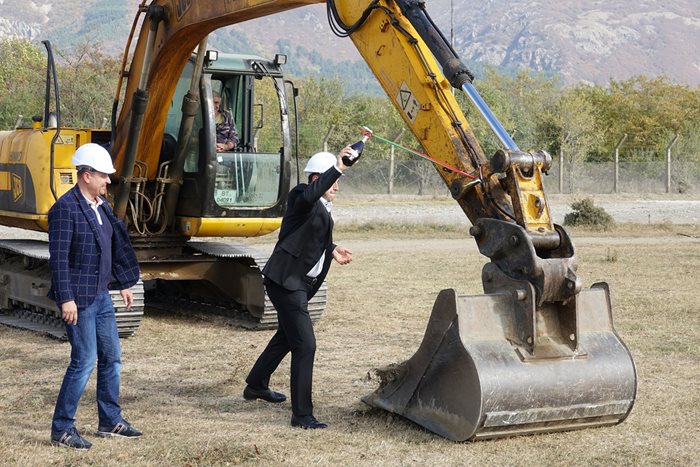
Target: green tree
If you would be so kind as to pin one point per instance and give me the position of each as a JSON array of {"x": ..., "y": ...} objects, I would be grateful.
[
  {"x": 575, "y": 123},
  {"x": 521, "y": 102},
  {"x": 322, "y": 104},
  {"x": 22, "y": 72},
  {"x": 88, "y": 80},
  {"x": 649, "y": 110}
]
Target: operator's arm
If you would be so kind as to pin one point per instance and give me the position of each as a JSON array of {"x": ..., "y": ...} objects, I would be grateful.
[
  {"x": 60, "y": 238},
  {"x": 232, "y": 135}
]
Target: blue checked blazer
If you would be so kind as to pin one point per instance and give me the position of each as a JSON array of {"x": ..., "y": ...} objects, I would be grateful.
[{"x": 74, "y": 248}]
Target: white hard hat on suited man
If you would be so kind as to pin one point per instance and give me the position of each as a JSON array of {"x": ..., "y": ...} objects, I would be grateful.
[
  {"x": 319, "y": 163},
  {"x": 95, "y": 156}
]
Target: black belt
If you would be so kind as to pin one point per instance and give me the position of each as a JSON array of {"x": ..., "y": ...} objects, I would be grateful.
[{"x": 310, "y": 280}]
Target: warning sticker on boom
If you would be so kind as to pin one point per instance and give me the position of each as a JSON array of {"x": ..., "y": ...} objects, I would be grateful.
[{"x": 409, "y": 103}]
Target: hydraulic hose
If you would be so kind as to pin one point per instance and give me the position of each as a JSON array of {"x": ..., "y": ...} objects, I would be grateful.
[{"x": 454, "y": 70}]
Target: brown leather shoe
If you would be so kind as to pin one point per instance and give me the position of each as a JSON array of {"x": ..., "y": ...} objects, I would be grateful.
[{"x": 264, "y": 394}]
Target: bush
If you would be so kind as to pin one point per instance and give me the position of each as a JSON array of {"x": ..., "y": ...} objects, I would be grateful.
[{"x": 586, "y": 214}]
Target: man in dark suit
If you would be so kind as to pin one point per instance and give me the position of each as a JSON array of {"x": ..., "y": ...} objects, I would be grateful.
[
  {"x": 298, "y": 264},
  {"x": 90, "y": 252}
]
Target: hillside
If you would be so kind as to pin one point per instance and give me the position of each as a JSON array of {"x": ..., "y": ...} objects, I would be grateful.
[{"x": 582, "y": 41}]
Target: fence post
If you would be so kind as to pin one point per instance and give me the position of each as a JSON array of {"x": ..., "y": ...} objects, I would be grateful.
[
  {"x": 561, "y": 170},
  {"x": 616, "y": 186},
  {"x": 327, "y": 137},
  {"x": 668, "y": 162},
  {"x": 391, "y": 162}
]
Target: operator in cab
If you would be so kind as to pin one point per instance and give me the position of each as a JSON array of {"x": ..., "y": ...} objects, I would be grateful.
[
  {"x": 226, "y": 132},
  {"x": 293, "y": 274}
]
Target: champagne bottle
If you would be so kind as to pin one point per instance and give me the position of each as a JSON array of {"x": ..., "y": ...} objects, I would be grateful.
[{"x": 357, "y": 151}]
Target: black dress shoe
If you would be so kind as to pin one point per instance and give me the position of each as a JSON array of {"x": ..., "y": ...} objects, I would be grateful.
[
  {"x": 307, "y": 422},
  {"x": 264, "y": 394}
]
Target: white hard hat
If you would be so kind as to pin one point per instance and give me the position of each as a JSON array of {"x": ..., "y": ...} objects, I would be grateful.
[
  {"x": 319, "y": 163},
  {"x": 95, "y": 156}
]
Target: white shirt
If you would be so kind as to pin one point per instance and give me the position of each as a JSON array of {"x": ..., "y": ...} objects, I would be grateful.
[
  {"x": 95, "y": 205},
  {"x": 316, "y": 270}
]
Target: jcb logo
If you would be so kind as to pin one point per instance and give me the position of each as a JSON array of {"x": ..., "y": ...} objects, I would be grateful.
[
  {"x": 181, "y": 7},
  {"x": 17, "y": 187}
]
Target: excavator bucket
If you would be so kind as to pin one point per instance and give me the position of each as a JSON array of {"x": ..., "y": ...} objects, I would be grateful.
[{"x": 475, "y": 376}]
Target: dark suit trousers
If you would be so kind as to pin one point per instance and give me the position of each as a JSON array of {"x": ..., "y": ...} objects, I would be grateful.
[{"x": 295, "y": 333}]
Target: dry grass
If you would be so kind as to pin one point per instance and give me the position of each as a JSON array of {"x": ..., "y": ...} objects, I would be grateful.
[{"x": 183, "y": 375}]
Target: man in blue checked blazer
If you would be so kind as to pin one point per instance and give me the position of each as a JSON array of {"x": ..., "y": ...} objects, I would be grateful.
[{"x": 90, "y": 253}]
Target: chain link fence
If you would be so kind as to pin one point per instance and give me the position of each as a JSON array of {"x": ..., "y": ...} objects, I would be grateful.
[{"x": 419, "y": 177}]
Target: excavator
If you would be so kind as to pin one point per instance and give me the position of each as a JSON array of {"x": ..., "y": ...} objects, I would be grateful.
[{"x": 536, "y": 353}]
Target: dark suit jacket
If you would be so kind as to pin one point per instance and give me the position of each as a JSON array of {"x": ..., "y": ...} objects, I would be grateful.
[
  {"x": 307, "y": 231},
  {"x": 74, "y": 247}
]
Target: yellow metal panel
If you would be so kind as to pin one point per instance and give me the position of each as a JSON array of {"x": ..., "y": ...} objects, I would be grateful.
[
  {"x": 239, "y": 227},
  {"x": 64, "y": 180},
  {"x": 533, "y": 202},
  {"x": 30, "y": 149}
]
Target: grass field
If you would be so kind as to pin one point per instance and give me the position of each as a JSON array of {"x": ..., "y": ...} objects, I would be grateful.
[{"x": 183, "y": 376}]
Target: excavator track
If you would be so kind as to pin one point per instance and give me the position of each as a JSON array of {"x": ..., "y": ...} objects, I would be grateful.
[
  {"x": 259, "y": 315},
  {"x": 25, "y": 280}
]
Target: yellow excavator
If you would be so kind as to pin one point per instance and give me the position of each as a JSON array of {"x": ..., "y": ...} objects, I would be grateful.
[{"x": 537, "y": 353}]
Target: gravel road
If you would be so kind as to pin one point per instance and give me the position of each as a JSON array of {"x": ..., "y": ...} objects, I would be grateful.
[{"x": 445, "y": 211}]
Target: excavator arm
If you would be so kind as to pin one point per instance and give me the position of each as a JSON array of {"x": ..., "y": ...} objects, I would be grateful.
[
  {"x": 502, "y": 196},
  {"x": 411, "y": 60},
  {"x": 537, "y": 352}
]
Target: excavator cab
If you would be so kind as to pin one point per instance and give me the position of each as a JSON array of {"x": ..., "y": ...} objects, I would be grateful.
[
  {"x": 250, "y": 180},
  {"x": 238, "y": 192}
]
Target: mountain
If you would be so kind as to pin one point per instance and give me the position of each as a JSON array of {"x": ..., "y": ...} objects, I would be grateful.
[
  {"x": 585, "y": 40},
  {"x": 582, "y": 41}
]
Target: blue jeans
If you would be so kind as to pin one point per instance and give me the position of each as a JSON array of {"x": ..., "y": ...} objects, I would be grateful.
[{"x": 93, "y": 338}]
